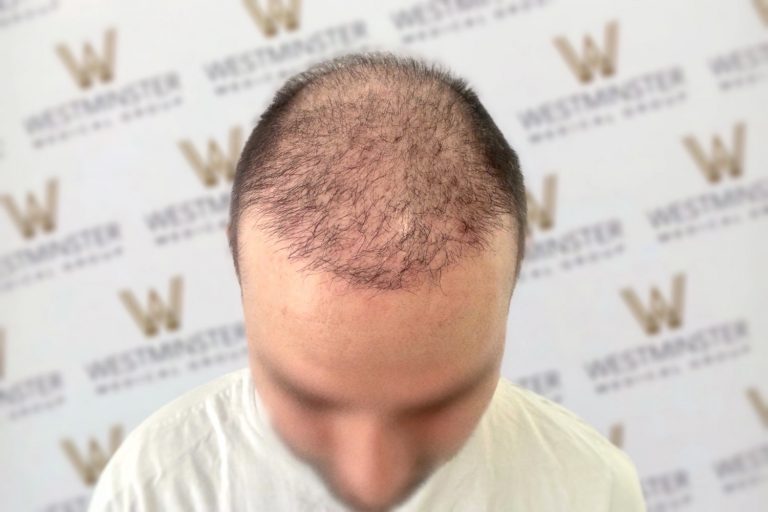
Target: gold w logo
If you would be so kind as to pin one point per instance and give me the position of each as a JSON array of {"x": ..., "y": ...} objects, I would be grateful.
[
  {"x": 721, "y": 159},
  {"x": 542, "y": 213},
  {"x": 275, "y": 14},
  {"x": 92, "y": 66},
  {"x": 762, "y": 9},
  {"x": 593, "y": 59},
  {"x": 761, "y": 407},
  {"x": 218, "y": 162},
  {"x": 36, "y": 215},
  {"x": 659, "y": 311},
  {"x": 157, "y": 312},
  {"x": 616, "y": 435},
  {"x": 90, "y": 466}
]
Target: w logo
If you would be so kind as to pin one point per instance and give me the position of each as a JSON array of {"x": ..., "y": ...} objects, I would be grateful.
[
  {"x": 90, "y": 465},
  {"x": 91, "y": 67},
  {"x": 593, "y": 60},
  {"x": 219, "y": 163},
  {"x": 659, "y": 311},
  {"x": 616, "y": 435},
  {"x": 275, "y": 14},
  {"x": 542, "y": 213},
  {"x": 157, "y": 313},
  {"x": 719, "y": 160},
  {"x": 762, "y": 9},
  {"x": 760, "y": 405},
  {"x": 38, "y": 215}
]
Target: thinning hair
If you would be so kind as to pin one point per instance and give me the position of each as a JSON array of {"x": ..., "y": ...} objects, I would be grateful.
[{"x": 378, "y": 169}]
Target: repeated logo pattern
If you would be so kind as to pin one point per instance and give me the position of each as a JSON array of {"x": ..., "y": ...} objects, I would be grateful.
[{"x": 640, "y": 303}]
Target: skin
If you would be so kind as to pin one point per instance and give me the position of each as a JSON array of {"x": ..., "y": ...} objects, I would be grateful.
[{"x": 375, "y": 358}]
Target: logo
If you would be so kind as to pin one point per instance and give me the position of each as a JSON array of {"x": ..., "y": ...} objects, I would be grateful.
[
  {"x": 275, "y": 14},
  {"x": 91, "y": 67},
  {"x": 720, "y": 158},
  {"x": 36, "y": 215},
  {"x": 659, "y": 310},
  {"x": 760, "y": 405},
  {"x": 542, "y": 213},
  {"x": 762, "y": 9},
  {"x": 594, "y": 60},
  {"x": 90, "y": 467},
  {"x": 157, "y": 313},
  {"x": 219, "y": 163},
  {"x": 616, "y": 435}
]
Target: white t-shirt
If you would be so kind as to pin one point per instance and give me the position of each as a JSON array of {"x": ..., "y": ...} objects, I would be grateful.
[{"x": 214, "y": 449}]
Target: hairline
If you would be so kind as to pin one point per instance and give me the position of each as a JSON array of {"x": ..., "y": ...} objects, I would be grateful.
[{"x": 289, "y": 92}]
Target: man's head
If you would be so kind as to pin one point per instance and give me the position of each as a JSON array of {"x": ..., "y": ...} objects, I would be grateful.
[{"x": 377, "y": 227}]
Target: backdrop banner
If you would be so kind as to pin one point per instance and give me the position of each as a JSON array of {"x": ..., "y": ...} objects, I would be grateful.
[{"x": 641, "y": 127}]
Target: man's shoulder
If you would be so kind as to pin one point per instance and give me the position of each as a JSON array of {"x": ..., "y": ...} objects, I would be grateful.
[
  {"x": 555, "y": 424},
  {"x": 194, "y": 407},
  {"x": 173, "y": 436},
  {"x": 562, "y": 444}
]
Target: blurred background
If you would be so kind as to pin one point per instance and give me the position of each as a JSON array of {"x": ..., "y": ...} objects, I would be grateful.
[{"x": 641, "y": 129}]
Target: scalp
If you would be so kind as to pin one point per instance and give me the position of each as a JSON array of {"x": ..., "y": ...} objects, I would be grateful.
[{"x": 375, "y": 170}]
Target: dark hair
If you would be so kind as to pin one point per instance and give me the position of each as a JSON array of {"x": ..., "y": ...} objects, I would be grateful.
[{"x": 378, "y": 168}]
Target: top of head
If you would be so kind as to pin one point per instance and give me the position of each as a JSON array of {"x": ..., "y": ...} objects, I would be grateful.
[{"x": 377, "y": 169}]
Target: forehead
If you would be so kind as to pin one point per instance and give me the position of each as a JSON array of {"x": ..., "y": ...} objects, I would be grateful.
[
  {"x": 346, "y": 341},
  {"x": 390, "y": 368}
]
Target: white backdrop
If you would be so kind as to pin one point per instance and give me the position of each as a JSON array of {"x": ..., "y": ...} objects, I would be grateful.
[{"x": 641, "y": 129}]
